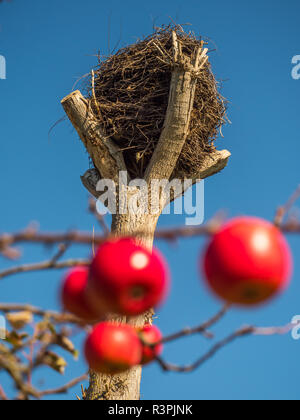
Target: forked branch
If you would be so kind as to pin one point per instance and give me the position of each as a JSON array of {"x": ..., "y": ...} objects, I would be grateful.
[
  {"x": 105, "y": 154},
  {"x": 178, "y": 115}
]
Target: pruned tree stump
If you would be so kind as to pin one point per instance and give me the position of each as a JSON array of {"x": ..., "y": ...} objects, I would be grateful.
[{"x": 109, "y": 161}]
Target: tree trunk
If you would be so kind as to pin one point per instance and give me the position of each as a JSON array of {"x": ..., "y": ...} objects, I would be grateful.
[
  {"x": 109, "y": 163},
  {"x": 125, "y": 386}
]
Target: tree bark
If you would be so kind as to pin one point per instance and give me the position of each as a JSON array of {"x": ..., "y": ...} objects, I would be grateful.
[{"x": 125, "y": 386}]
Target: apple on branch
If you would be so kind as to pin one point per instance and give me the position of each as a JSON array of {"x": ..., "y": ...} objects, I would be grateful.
[
  {"x": 113, "y": 348},
  {"x": 126, "y": 278},
  {"x": 247, "y": 262}
]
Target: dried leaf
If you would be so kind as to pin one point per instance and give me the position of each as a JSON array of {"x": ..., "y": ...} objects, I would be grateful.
[
  {"x": 16, "y": 339},
  {"x": 54, "y": 361},
  {"x": 19, "y": 320},
  {"x": 65, "y": 343}
]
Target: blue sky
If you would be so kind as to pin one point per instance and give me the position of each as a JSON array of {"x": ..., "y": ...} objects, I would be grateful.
[{"x": 48, "y": 45}]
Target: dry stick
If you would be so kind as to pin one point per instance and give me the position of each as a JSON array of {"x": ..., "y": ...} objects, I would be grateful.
[
  {"x": 10, "y": 253},
  {"x": 47, "y": 265},
  {"x": 30, "y": 357},
  {"x": 68, "y": 318},
  {"x": 29, "y": 391},
  {"x": 56, "y": 316},
  {"x": 168, "y": 234},
  {"x": 242, "y": 332},
  {"x": 3, "y": 396},
  {"x": 290, "y": 227},
  {"x": 267, "y": 331},
  {"x": 65, "y": 388},
  {"x": 188, "y": 231},
  {"x": 99, "y": 217},
  {"x": 94, "y": 96},
  {"x": 46, "y": 238},
  {"x": 189, "y": 368},
  {"x": 284, "y": 210},
  {"x": 62, "y": 249},
  {"x": 201, "y": 329},
  {"x": 15, "y": 372},
  {"x": 86, "y": 238}
]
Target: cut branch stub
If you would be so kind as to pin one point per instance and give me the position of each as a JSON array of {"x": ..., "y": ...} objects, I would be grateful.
[
  {"x": 104, "y": 153},
  {"x": 90, "y": 180},
  {"x": 212, "y": 164},
  {"x": 178, "y": 116}
]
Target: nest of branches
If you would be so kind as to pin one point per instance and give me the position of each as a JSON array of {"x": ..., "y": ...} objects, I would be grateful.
[{"x": 131, "y": 91}]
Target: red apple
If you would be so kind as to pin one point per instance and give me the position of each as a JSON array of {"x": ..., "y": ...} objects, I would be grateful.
[
  {"x": 127, "y": 278},
  {"x": 113, "y": 348},
  {"x": 150, "y": 334},
  {"x": 73, "y": 294},
  {"x": 248, "y": 261}
]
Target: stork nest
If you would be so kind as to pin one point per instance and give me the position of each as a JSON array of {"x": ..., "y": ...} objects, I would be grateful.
[{"x": 131, "y": 89}]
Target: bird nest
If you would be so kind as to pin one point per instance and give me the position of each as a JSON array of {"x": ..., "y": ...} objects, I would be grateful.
[{"x": 130, "y": 92}]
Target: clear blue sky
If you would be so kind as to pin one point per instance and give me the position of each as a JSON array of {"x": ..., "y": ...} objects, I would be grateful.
[{"x": 48, "y": 45}]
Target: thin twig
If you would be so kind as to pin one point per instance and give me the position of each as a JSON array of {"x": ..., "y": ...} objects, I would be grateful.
[
  {"x": 99, "y": 217},
  {"x": 65, "y": 388},
  {"x": 16, "y": 371},
  {"x": 47, "y": 265},
  {"x": 189, "y": 368},
  {"x": 284, "y": 210},
  {"x": 87, "y": 238},
  {"x": 242, "y": 332},
  {"x": 3, "y": 396},
  {"x": 55, "y": 316},
  {"x": 201, "y": 329},
  {"x": 62, "y": 249},
  {"x": 94, "y": 96}
]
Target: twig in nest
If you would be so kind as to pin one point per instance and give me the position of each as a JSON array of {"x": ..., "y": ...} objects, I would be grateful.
[{"x": 94, "y": 96}]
